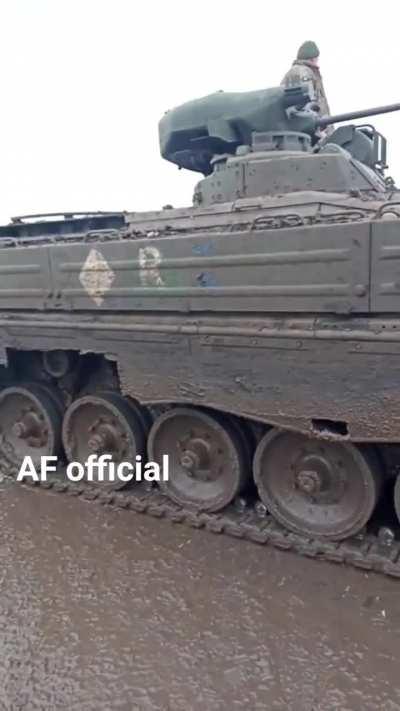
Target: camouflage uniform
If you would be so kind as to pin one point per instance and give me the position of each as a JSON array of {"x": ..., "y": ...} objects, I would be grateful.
[{"x": 305, "y": 72}]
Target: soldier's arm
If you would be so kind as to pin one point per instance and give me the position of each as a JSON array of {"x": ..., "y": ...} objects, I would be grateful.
[
  {"x": 301, "y": 75},
  {"x": 292, "y": 77}
]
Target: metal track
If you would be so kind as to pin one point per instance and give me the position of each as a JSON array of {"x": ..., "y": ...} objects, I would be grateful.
[{"x": 364, "y": 552}]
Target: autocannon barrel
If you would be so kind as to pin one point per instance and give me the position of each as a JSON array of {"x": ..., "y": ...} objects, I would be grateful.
[{"x": 350, "y": 115}]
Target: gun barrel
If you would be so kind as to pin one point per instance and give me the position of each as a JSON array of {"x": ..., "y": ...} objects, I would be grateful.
[{"x": 327, "y": 120}]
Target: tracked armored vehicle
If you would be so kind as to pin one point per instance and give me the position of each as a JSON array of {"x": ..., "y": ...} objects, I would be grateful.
[{"x": 253, "y": 337}]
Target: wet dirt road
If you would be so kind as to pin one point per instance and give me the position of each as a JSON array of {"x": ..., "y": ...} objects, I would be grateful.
[{"x": 103, "y": 609}]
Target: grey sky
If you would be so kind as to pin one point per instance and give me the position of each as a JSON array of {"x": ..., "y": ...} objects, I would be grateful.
[{"x": 84, "y": 83}]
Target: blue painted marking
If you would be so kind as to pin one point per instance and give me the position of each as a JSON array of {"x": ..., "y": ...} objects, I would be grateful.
[
  {"x": 203, "y": 249},
  {"x": 207, "y": 279}
]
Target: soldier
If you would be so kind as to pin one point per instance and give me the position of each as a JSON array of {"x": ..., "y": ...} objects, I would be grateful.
[{"x": 305, "y": 69}]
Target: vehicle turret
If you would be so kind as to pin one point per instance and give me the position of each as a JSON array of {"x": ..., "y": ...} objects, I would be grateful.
[{"x": 271, "y": 142}]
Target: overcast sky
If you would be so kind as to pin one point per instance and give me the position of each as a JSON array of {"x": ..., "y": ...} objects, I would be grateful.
[{"x": 84, "y": 83}]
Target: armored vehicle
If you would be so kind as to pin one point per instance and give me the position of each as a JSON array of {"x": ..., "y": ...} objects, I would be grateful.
[{"x": 253, "y": 337}]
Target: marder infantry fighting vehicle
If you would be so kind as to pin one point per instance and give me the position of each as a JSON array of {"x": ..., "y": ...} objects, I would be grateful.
[{"x": 253, "y": 337}]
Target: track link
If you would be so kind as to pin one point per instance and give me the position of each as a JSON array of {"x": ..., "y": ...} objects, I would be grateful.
[{"x": 365, "y": 552}]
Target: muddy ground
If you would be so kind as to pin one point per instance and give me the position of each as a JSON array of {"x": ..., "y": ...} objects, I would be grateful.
[{"x": 103, "y": 609}]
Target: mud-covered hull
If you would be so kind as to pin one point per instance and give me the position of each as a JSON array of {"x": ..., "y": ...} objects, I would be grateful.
[
  {"x": 306, "y": 259},
  {"x": 255, "y": 344},
  {"x": 335, "y": 377},
  {"x": 289, "y": 316}
]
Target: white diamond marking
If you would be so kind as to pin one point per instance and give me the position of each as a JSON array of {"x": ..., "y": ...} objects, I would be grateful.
[{"x": 96, "y": 276}]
